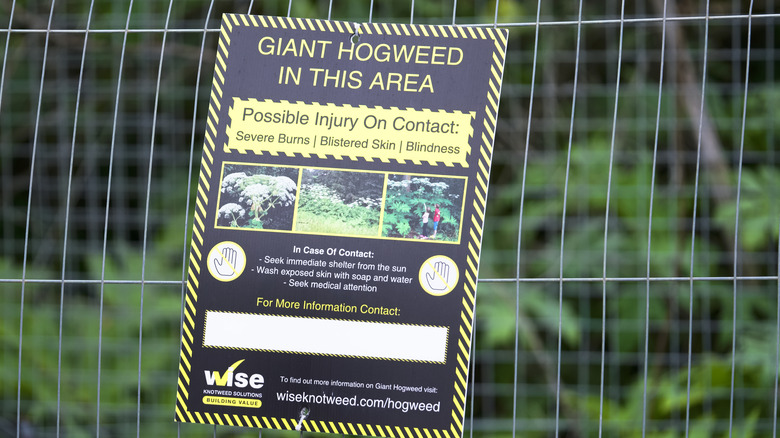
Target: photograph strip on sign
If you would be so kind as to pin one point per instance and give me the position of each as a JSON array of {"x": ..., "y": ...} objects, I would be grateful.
[{"x": 365, "y": 327}]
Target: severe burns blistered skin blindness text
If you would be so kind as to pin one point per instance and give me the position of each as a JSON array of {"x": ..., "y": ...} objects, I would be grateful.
[{"x": 408, "y": 134}]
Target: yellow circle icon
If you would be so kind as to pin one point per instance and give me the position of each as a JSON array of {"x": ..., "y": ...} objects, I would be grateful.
[
  {"x": 226, "y": 261},
  {"x": 439, "y": 275}
]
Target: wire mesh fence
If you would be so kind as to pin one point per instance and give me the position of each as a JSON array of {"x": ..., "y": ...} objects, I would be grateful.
[{"x": 629, "y": 278}]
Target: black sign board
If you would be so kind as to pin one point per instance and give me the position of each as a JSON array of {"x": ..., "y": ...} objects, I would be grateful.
[{"x": 332, "y": 273}]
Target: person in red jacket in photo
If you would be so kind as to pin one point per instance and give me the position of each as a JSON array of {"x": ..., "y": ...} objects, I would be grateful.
[{"x": 436, "y": 218}]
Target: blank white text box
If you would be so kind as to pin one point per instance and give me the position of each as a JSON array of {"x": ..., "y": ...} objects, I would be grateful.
[{"x": 326, "y": 336}]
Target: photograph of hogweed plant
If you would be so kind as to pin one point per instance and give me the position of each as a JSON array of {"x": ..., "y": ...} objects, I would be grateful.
[
  {"x": 340, "y": 203},
  {"x": 414, "y": 205},
  {"x": 257, "y": 197}
]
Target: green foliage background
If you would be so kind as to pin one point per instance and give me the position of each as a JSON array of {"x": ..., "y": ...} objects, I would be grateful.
[
  {"x": 90, "y": 296},
  {"x": 339, "y": 202}
]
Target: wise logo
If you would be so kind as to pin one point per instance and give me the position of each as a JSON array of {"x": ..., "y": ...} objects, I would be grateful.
[{"x": 230, "y": 378}]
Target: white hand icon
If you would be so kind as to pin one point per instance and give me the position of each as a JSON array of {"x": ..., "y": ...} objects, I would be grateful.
[
  {"x": 439, "y": 275},
  {"x": 439, "y": 278},
  {"x": 225, "y": 263}
]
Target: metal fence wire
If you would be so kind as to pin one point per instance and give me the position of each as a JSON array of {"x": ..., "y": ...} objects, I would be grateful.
[{"x": 629, "y": 278}]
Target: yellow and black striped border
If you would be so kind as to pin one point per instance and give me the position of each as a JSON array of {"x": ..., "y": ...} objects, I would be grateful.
[
  {"x": 499, "y": 37},
  {"x": 198, "y": 230}
]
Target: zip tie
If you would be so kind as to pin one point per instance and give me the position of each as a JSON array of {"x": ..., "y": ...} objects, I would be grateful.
[
  {"x": 304, "y": 415},
  {"x": 356, "y": 34}
]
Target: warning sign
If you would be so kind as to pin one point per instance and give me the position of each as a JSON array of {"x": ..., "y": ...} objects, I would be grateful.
[{"x": 332, "y": 274}]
